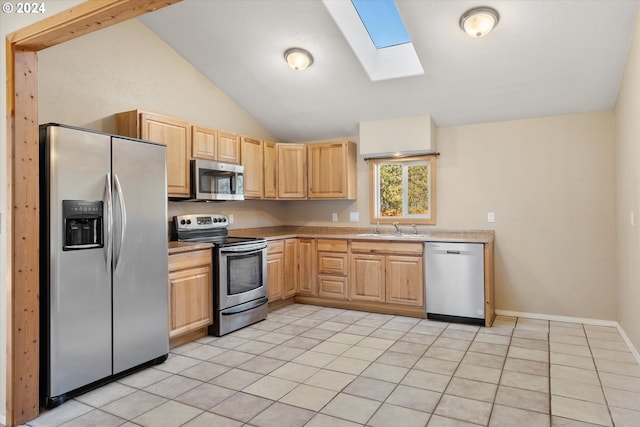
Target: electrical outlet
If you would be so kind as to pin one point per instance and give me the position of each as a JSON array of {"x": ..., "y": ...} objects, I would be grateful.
[
  {"x": 334, "y": 217},
  {"x": 231, "y": 219},
  {"x": 631, "y": 219},
  {"x": 354, "y": 216},
  {"x": 491, "y": 217}
]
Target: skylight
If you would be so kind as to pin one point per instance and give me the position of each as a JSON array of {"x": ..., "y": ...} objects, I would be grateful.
[
  {"x": 395, "y": 61},
  {"x": 382, "y": 21}
]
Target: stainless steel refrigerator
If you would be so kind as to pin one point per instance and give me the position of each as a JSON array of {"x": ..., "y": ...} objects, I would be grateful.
[{"x": 104, "y": 259}]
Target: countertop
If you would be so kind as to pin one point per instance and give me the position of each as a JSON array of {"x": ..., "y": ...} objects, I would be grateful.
[{"x": 354, "y": 233}]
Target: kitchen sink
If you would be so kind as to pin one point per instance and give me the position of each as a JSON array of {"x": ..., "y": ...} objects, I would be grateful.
[{"x": 394, "y": 235}]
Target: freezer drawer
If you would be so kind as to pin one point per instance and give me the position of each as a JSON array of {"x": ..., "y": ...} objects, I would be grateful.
[{"x": 454, "y": 281}]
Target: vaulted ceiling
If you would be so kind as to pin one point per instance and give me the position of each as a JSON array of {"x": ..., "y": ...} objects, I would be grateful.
[{"x": 545, "y": 57}]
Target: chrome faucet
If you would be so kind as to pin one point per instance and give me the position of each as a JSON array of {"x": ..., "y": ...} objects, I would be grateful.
[
  {"x": 377, "y": 228},
  {"x": 397, "y": 226},
  {"x": 415, "y": 229}
]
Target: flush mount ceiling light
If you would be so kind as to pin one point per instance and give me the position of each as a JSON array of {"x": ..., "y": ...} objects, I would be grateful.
[
  {"x": 298, "y": 58},
  {"x": 479, "y": 21}
]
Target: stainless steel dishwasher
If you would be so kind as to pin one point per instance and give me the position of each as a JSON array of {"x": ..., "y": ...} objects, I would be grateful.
[{"x": 454, "y": 281}]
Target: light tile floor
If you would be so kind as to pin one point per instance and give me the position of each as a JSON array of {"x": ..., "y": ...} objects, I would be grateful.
[{"x": 315, "y": 366}]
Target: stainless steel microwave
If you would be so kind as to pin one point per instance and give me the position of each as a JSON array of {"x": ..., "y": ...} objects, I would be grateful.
[{"x": 216, "y": 180}]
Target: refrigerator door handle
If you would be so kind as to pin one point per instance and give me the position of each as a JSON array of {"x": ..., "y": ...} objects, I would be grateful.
[
  {"x": 123, "y": 216},
  {"x": 109, "y": 220}
]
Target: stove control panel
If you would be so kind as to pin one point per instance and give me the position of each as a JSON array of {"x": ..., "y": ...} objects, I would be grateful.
[{"x": 200, "y": 221}]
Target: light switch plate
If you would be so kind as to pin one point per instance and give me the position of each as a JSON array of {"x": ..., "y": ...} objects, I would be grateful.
[
  {"x": 491, "y": 217},
  {"x": 354, "y": 216}
]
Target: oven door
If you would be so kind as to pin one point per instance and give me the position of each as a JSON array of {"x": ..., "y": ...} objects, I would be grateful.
[{"x": 243, "y": 274}]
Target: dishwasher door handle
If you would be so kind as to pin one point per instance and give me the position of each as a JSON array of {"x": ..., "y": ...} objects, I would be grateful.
[{"x": 454, "y": 252}]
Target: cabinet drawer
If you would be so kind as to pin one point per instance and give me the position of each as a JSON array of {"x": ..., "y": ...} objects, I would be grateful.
[
  {"x": 332, "y": 263},
  {"x": 275, "y": 246},
  {"x": 332, "y": 287},
  {"x": 189, "y": 259},
  {"x": 368, "y": 247},
  {"x": 332, "y": 245}
]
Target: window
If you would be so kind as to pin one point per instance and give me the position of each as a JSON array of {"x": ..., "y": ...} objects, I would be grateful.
[
  {"x": 403, "y": 190},
  {"x": 382, "y": 21}
]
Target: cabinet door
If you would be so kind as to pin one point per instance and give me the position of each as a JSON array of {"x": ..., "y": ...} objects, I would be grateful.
[
  {"x": 252, "y": 159},
  {"x": 332, "y": 287},
  {"x": 190, "y": 300},
  {"x": 270, "y": 176},
  {"x": 176, "y": 135},
  {"x": 367, "y": 277},
  {"x": 292, "y": 171},
  {"x": 332, "y": 263},
  {"x": 275, "y": 276},
  {"x": 228, "y": 147},
  {"x": 339, "y": 158},
  {"x": 405, "y": 280},
  {"x": 307, "y": 267},
  {"x": 290, "y": 268},
  {"x": 203, "y": 143},
  {"x": 322, "y": 159}
]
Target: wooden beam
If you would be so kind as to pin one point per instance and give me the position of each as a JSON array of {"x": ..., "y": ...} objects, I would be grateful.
[
  {"x": 24, "y": 341},
  {"x": 23, "y": 184},
  {"x": 82, "y": 19}
]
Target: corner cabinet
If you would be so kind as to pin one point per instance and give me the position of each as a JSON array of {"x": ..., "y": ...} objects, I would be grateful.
[
  {"x": 292, "y": 171},
  {"x": 190, "y": 294},
  {"x": 174, "y": 133},
  {"x": 340, "y": 159},
  {"x": 282, "y": 269}
]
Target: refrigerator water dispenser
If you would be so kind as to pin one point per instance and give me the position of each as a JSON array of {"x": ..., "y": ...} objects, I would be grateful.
[{"x": 82, "y": 224}]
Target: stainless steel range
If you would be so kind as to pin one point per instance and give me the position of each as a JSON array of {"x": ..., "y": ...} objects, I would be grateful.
[{"x": 240, "y": 271}]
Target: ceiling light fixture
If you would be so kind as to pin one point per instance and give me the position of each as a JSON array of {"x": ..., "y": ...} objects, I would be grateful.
[
  {"x": 479, "y": 21},
  {"x": 298, "y": 58}
]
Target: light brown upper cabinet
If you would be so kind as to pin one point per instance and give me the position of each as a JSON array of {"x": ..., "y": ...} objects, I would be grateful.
[
  {"x": 228, "y": 147},
  {"x": 204, "y": 143},
  {"x": 332, "y": 170},
  {"x": 251, "y": 156},
  {"x": 169, "y": 131},
  {"x": 292, "y": 171},
  {"x": 212, "y": 144},
  {"x": 270, "y": 167}
]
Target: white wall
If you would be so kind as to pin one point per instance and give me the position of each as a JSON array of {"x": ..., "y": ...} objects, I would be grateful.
[
  {"x": 10, "y": 22},
  {"x": 85, "y": 81},
  {"x": 628, "y": 192},
  {"x": 550, "y": 182}
]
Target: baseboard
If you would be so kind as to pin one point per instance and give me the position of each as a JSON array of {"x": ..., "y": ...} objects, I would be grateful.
[
  {"x": 586, "y": 321},
  {"x": 633, "y": 349}
]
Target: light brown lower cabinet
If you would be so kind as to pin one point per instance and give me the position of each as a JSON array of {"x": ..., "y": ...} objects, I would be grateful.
[
  {"x": 387, "y": 272},
  {"x": 307, "y": 279},
  {"x": 332, "y": 268},
  {"x": 282, "y": 269},
  {"x": 290, "y": 285},
  {"x": 367, "y": 277},
  {"x": 275, "y": 270},
  {"x": 190, "y": 292}
]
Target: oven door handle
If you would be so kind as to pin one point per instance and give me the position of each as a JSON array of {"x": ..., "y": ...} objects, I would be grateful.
[
  {"x": 244, "y": 307},
  {"x": 243, "y": 249}
]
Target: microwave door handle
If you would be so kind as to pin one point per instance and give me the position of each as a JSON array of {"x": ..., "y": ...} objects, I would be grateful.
[
  {"x": 109, "y": 220},
  {"x": 123, "y": 218}
]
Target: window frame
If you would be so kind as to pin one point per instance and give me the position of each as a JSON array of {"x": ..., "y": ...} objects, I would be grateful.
[{"x": 374, "y": 180}]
